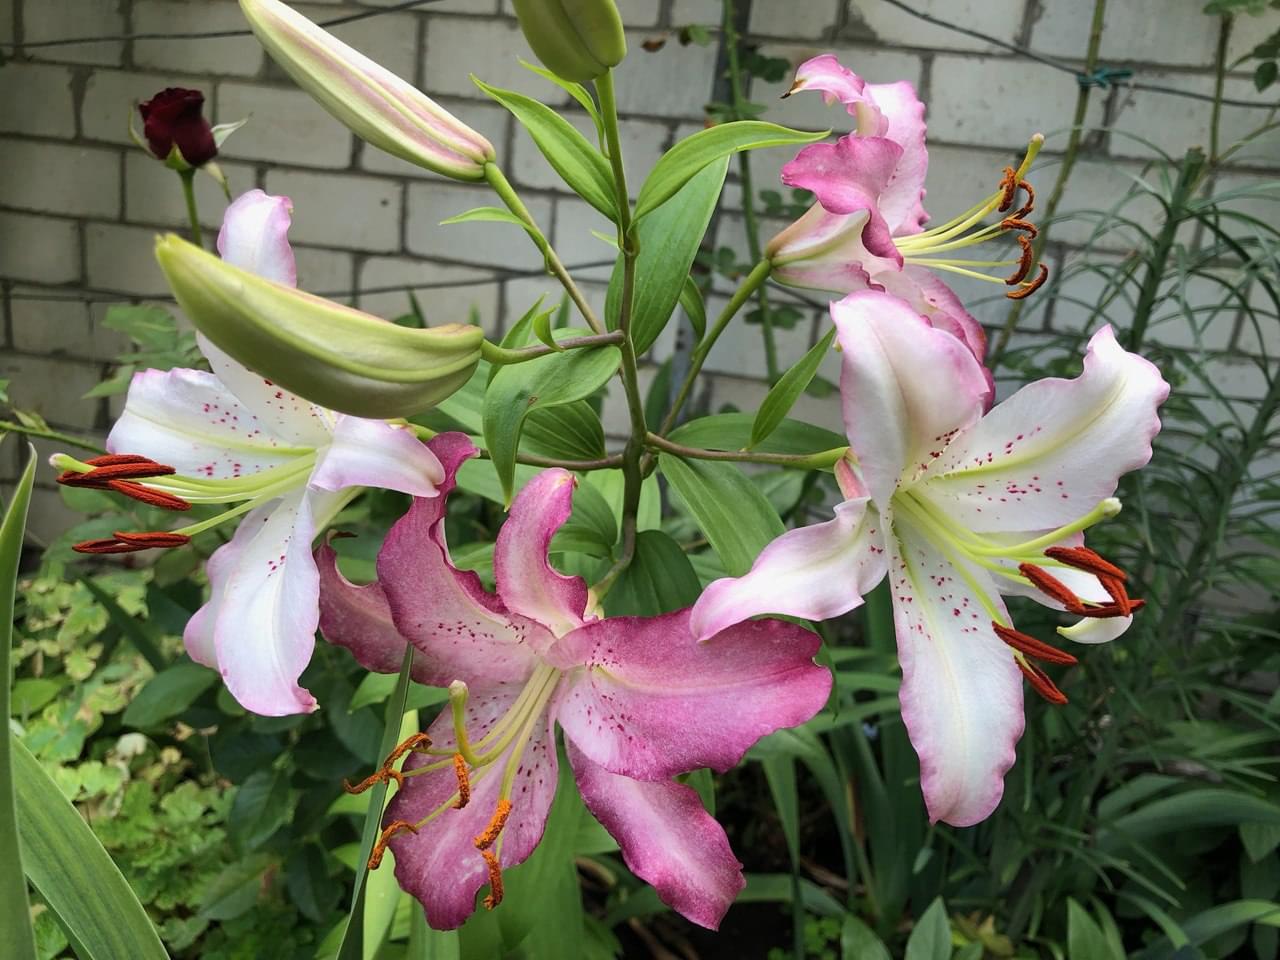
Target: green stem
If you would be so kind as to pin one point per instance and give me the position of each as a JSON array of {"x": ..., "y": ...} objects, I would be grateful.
[
  {"x": 1224, "y": 37},
  {"x": 754, "y": 280},
  {"x": 611, "y": 462},
  {"x": 823, "y": 460},
  {"x": 1064, "y": 173},
  {"x": 502, "y": 187},
  {"x": 8, "y": 426},
  {"x": 732, "y": 40},
  {"x": 503, "y": 356},
  {"x": 193, "y": 213}
]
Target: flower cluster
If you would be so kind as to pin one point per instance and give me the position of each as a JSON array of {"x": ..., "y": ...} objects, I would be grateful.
[{"x": 955, "y": 501}]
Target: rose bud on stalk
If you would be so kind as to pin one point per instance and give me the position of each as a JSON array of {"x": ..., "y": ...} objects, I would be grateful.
[{"x": 176, "y": 130}]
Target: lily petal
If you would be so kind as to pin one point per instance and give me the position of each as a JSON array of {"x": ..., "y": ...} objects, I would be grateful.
[
  {"x": 826, "y": 74},
  {"x": 937, "y": 303},
  {"x": 902, "y": 201},
  {"x": 374, "y": 453},
  {"x": 526, "y": 582},
  {"x": 907, "y": 389},
  {"x": 198, "y": 635},
  {"x": 1056, "y": 448},
  {"x": 848, "y": 177},
  {"x": 961, "y": 690},
  {"x": 359, "y": 618},
  {"x": 815, "y": 572},
  {"x": 440, "y": 864},
  {"x": 265, "y": 624},
  {"x": 667, "y": 839},
  {"x": 465, "y": 633},
  {"x": 255, "y": 236},
  {"x": 188, "y": 420},
  {"x": 651, "y": 702},
  {"x": 1096, "y": 629}
]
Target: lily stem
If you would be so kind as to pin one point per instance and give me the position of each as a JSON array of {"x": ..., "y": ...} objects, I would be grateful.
[
  {"x": 502, "y": 187},
  {"x": 632, "y": 474},
  {"x": 8, "y": 426},
  {"x": 805, "y": 461},
  {"x": 732, "y": 39},
  {"x": 505, "y": 355},
  {"x": 193, "y": 212}
]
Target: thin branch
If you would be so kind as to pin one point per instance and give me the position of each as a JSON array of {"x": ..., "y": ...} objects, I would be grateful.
[
  {"x": 8, "y": 426},
  {"x": 805, "y": 461}
]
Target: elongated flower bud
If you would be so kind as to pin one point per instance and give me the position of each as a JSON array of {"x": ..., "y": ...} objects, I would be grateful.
[
  {"x": 379, "y": 107},
  {"x": 575, "y": 39},
  {"x": 332, "y": 355}
]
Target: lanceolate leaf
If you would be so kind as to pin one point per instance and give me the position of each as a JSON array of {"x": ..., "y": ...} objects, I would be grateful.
[
  {"x": 694, "y": 307},
  {"x": 692, "y": 154},
  {"x": 668, "y": 242},
  {"x": 569, "y": 432},
  {"x": 660, "y": 579},
  {"x": 783, "y": 394},
  {"x": 65, "y": 862},
  {"x": 521, "y": 388},
  {"x": 735, "y": 516},
  {"x": 581, "y": 165},
  {"x": 732, "y": 431},
  {"x": 575, "y": 90},
  {"x": 15, "y": 915}
]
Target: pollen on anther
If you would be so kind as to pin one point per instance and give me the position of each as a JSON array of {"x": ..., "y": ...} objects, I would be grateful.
[
  {"x": 464, "y": 781},
  {"x": 487, "y": 839},
  {"x": 495, "y": 879}
]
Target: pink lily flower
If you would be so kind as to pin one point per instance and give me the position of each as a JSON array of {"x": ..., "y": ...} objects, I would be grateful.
[
  {"x": 867, "y": 229},
  {"x": 959, "y": 508},
  {"x": 639, "y": 702},
  {"x": 231, "y": 436}
]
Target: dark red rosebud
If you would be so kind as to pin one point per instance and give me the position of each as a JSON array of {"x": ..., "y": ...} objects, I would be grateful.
[{"x": 174, "y": 117}]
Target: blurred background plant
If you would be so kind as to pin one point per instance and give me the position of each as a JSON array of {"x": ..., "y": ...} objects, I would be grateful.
[{"x": 1141, "y": 820}]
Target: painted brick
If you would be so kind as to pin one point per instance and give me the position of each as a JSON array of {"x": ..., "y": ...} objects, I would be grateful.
[
  {"x": 686, "y": 12},
  {"x": 672, "y": 82},
  {"x": 457, "y": 48},
  {"x": 62, "y": 327},
  {"x": 642, "y": 143},
  {"x": 1247, "y": 32},
  {"x": 487, "y": 119},
  {"x": 52, "y": 387},
  {"x": 285, "y": 125},
  {"x": 873, "y": 20},
  {"x": 56, "y": 19},
  {"x": 390, "y": 39},
  {"x": 49, "y": 515},
  {"x": 61, "y": 179},
  {"x": 341, "y": 210},
  {"x": 7, "y": 20},
  {"x": 573, "y": 240},
  {"x": 110, "y": 97},
  {"x": 152, "y": 193},
  {"x": 491, "y": 244},
  {"x": 239, "y": 56},
  {"x": 48, "y": 251},
  {"x": 1153, "y": 31},
  {"x": 1101, "y": 185},
  {"x": 122, "y": 258},
  {"x": 998, "y": 102},
  {"x": 329, "y": 273},
  {"x": 36, "y": 98},
  {"x": 807, "y": 19},
  {"x": 439, "y": 304},
  {"x": 524, "y": 293}
]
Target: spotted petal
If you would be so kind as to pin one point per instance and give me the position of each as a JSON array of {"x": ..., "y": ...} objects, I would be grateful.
[
  {"x": 650, "y": 702},
  {"x": 667, "y": 839},
  {"x": 440, "y": 864},
  {"x": 1056, "y": 448},
  {"x": 961, "y": 689},
  {"x": 815, "y": 572},
  {"x": 907, "y": 389}
]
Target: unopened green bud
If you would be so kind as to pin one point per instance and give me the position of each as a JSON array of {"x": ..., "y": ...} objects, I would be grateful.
[
  {"x": 575, "y": 39},
  {"x": 332, "y": 355}
]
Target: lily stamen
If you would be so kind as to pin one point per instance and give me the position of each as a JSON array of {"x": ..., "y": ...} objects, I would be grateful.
[
  {"x": 125, "y": 542},
  {"x": 495, "y": 879},
  {"x": 1041, "y": 683},
  {"x": 501, "y": 812},
  {"x": 389, "y": 831},
  {"x": 419, "y": 742},
  {"x": 1026, "y": 644},
  {"x": 464, "y": 781}
]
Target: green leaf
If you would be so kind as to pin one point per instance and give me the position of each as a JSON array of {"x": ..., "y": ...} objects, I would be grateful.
[
  {"x": 1085, "y": 940},
  {"x": 783, "y": 395},
  {"x": 73, "y": 874},
  {"x": 542, "y": 329},
  {"x": 732, "y": 431},
  {"x": 486, "y": 215},
  {"x": 144, "y": 637},
  {"x": 692, "y": 154},
  {"x": 694, "y": 307},
  {"x": 260, "y": 808},
  {"x": 575, "y": 90},
  {"x": 235, "y": 890},
  {"x": 668, "y": 241},
  {"x": 519, "y": 389},
  {"x": 735, "y": 516},
  {"x": 659, "y": 580},
  {"x": 780, "y": 772},
  {"x": 352, "y": 943},
  {"x": 931, "y": 936},
  {"x": 169, "y": 693},
  {"x": 1264, "y": 75},
  {"x": 591, "y": 527},
  {"x": 1191, "y": 809},
  {"x": 859, "y": 942},
  {"x": 32, "y": 693},
  {"x": 572, "y": 431},
  {"x": 579, "y": 164},
  {"x": 15, "y": 911}
]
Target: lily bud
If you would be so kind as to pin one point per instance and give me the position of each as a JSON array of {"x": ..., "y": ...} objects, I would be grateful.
[
  {"x": 332, "y": 355},
  {"x": 378, "y": 106},
  {"x": 575, "y": 39}
]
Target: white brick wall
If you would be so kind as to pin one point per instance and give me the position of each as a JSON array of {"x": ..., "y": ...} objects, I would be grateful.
[{"x": 80, "y": 205}]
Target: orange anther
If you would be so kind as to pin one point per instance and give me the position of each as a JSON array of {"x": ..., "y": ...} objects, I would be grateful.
[
  {"x": 1009, "y": 186},
  {"x": 1082, "y": 558},
  {"x": 1050, "y": 585},
  {"x": 1030, "y": 287},
  {"x": 486, "y": 840},
  {"x": 1024, "y": 261},
  {"x": 495, "y": 879},
  {"x": 1026, "y": 644},
  {"x": 464, "y": 781},
  {"x": 153, "y": 498},
  {"x": 1017, "y": 223},
  {"x": 1041, "y": 683},
  {"x": 418, "y": 741},
  {"x": 1031, "y": 200},
  {"x": 124, "y": 542},
  {"x": 389, "y": 831}
]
